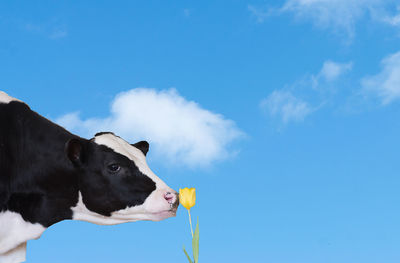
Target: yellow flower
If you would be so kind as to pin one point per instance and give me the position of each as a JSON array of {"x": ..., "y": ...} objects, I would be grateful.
[{"x": 187, "y": 197}]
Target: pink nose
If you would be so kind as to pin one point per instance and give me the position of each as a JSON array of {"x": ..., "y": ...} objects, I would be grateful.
[{"x": 172, "y": 199}]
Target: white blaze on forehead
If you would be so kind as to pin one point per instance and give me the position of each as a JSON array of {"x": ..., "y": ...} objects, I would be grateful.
[
  {"x": 5, "y": 98},
  {"x": 122, "y": 147}
]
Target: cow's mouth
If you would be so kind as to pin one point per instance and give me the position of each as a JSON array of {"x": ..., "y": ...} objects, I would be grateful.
[
  {"x": 171, "y": 212},
  {"x": 165, "y": 214}
]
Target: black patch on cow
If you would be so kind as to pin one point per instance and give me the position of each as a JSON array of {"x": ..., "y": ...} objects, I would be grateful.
[
  {"x": 43, "y": 167},
  {"x": 104, "y": 191},
  {"x": 36, "y": 180}
]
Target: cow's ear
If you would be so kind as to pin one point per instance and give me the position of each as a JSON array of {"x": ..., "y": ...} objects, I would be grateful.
[
  {"x": 143, "y": 146},
  {"x": 74, "y": 150}
]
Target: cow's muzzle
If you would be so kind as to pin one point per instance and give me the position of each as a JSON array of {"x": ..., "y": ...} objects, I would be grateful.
[{"x": 173, "y": 199}]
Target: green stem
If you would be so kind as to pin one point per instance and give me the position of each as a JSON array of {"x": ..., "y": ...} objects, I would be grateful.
[{"x": 190, "y": 221}]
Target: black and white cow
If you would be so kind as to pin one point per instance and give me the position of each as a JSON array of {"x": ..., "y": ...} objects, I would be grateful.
[{"x": 48, "y": 175}]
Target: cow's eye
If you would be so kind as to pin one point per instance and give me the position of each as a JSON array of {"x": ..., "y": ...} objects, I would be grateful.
[{"x": 114, "y": 167}]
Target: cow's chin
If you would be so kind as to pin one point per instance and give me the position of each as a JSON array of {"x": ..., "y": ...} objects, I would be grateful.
[
  {"x": 163, "y": 215},
  {"x": 134, "y": 214},
  {"x": 124, "y": 216}
]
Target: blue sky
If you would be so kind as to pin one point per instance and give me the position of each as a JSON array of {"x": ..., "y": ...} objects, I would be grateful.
[{"x": 288, "y": 117}]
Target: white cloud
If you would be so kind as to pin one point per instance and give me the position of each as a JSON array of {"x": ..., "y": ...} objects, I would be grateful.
[
  {"x": 284, "y": 105},
  {"x": 385, "y": 84},
  {"x": 332, "y": 70},
  {"x": 340, "y": 16},
  {"x": 178, "y": 130}
]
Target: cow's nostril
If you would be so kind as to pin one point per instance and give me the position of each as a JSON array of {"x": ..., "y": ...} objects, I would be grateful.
[{"x": 170, "y": 197}]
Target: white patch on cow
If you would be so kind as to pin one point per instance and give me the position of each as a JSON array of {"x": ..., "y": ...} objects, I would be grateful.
[
  {"x": 5, "y": 98},
  {"x": 14, "y": 231},
  {"x": 82, "y": 213},
  {"x": 154, "y": 208},
  {"x": 15, "y": 255}
]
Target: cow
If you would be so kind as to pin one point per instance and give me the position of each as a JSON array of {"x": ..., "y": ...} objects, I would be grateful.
[{"x": 48, "y": 174}]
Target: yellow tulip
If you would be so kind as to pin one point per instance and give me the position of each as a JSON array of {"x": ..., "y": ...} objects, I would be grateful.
[{"x": 187, "y": 197}]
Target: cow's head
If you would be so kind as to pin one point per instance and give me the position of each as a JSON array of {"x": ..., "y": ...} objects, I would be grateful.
[{"x": 115, "y": 183}]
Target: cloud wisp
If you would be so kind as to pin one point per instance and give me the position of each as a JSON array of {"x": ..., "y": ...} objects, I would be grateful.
[
  {"x": 259, "y": 13},
  {"x": 386, "y": 84},
  {"x": 49, "y": 31},
  {"x": 340, "y": 16},
  {"x": 332, "y": 70},
  {"x": 297, "y": 101},
  {"x": 287, "y": 107},
  {"x": 329, "y": 73},
  {"x": 179, "y": 131}
]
